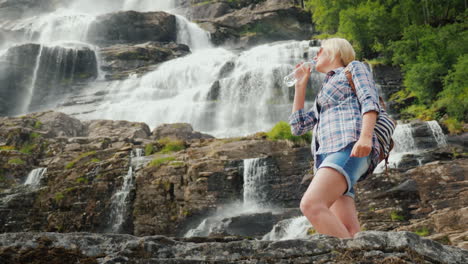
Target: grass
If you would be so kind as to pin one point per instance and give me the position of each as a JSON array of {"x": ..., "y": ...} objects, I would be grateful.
[
  {"x": 58, "y": 196},
  {"x": 423, "y": 232},
  {"x": 72, "y": 163},
  {"x": 37, "y": 125},
  {"x": 34, "y": 135},
  {"x": 396, "y": 216},
  {"x": 82, "y": 180},
  {"x": 282, "y": 131},
  {"x": 7, "y": 148},
  {"x": 171, "y": 145},
  {"x": 16, "y": 161},
  {"x": 160, "y": 161},
  {"x": 149, "y": 149},
  {"x": 28, "y": 148}
]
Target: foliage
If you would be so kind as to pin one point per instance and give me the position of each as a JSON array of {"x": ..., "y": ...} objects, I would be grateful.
[
  {"x": 453, "y": 125},
  {"x": 158, "y": 162},
  {"x": 149, "y": 149},
  {"x": 396, "y": 216},
  {"x": 423, "y": 232},
  {"x": 427, "y": 39},
  {"x": 171, "y": 145},
  {"x": 282, "y": 131},
  {"x": 16, "y": 161},
  {"x": 8, "y": 148},
  {"x": 73, "y": 162},
  {"x": 37, "y": 124}
]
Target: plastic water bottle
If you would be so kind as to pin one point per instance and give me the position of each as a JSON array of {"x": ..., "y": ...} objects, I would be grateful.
[{"x": 290, "y": 79}]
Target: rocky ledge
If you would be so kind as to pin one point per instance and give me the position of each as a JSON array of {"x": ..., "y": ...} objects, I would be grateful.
[{"x": 366, "y": 247}]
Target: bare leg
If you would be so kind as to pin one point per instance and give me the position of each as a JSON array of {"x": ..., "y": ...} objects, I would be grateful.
[
  {"x": 345, "y": 209},
  {"x": 326, "y": 187}
]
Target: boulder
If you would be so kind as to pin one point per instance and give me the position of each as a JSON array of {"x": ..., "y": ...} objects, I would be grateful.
[
  {"x": 117, "y": 129},
  {"x": 180, "y": 131},
  {"x": 119, "y": 61},
  {"x": 258, "y": 23},
  {"x": 133, "y": 27}
]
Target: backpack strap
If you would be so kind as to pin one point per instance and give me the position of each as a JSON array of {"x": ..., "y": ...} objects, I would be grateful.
[{"x": 382, "y": 103}]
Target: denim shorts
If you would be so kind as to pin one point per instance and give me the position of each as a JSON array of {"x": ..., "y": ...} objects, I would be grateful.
[{"x": 351, "y": 167}]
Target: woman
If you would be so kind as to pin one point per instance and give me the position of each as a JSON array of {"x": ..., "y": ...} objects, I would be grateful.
[{"x": 343, "y": 142}]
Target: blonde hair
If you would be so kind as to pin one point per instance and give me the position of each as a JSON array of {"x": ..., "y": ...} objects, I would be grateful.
[{"x": 340, "y": 47}]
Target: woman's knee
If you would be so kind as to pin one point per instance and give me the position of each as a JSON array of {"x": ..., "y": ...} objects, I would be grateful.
[{"x": 312, "y": 208}]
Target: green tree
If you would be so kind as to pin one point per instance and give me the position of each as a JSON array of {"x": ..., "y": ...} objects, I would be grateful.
[{"x": 454, "y": 97}]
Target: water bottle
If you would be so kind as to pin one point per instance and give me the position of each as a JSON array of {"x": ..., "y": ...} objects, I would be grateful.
[{"x": 290, "y": 79}]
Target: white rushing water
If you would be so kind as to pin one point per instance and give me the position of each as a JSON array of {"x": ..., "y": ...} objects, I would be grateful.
[
  {"x": 405, "y": 144},
  {"x": 229, "y": 94},
  {"x": 35, "y": 176},
  {"x": 254, "y": 201},
  {"x": 293, "y": 228},
  {"x": 437, "y": 133},
  {"x": 119, "y": 201}
]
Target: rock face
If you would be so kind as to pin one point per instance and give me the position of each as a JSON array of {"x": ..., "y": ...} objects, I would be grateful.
[
  {"x": 366, "y": 247},
  {"x": 187, "y": 177},
  {"x": 13, "y": 9},
  {"x": 430, "y": 200},
  {"x": 251, "y": 23},
  {"x": 133, "y": 27},
  {"x": 33, "y": 76}
]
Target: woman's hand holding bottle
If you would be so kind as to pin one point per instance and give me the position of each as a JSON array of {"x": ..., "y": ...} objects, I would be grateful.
[{"x": 300, "y": 75}]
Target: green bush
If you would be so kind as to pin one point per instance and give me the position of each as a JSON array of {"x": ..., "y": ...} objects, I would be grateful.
[
  {"x": 171, "y": 145},
  {"x": 158, "y": 162},
  {"x": 282, "y": 131},
  {"x": 149, "y": 149}
]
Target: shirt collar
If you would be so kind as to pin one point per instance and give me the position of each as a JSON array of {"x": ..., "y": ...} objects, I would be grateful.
[{"x": 337, "y": 70}]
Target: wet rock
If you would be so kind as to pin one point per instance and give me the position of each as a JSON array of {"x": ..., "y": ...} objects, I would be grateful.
[
  {"x": 117, "y": 129},
  {"x": 120, "y": 61},
  {"x": 58, "y": 71},
  {"x": 110, "y": 248},
  {"x": 13, "y": 9},
  {"x": 133, "y": 27},
  {"x": 180, "y": 131},
  {"x": 258, "y": 23}
]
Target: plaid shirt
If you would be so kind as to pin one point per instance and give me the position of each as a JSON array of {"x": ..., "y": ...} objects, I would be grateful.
[{"x": 336, "y": 117}]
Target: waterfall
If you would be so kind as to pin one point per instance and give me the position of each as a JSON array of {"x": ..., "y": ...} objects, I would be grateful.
[
  {"x": 437, "y": 133},
  {"x": 403, "y": 138},
  {"x": 119, "y": 201},
  {"x": 35, "y": 177},
  {"x": 190, "y": 34},
  {"x": 30, "y": 92},
  {"x": 405, "y": 144},
  {"x": 229, "y": 94},
  {"x": 293, "y": 228},
  {"x": 254, "y": 201},
  {"x": 254, "y": 178}
]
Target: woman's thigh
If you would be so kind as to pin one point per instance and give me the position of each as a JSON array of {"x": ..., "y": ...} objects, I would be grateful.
[{"x": 326, "y": 187}]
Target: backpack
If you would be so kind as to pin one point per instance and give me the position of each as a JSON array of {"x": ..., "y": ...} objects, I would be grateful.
[{"x": 384, "y": 126}]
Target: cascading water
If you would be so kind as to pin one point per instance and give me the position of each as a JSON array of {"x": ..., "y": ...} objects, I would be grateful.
[
  {"x": 35, "y": 177},
  {"x": 437, "y": 133},
  {"x": 119, "y": 201},
  {"x": 192, "y": 35},
  {"x": 293, "y": 228},
  {"x": 405, "y": 143},
  {"x": 254, "y": 200},
  {"x": 219, "y": 96}
]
